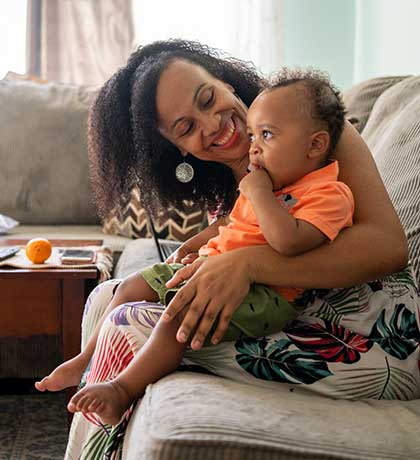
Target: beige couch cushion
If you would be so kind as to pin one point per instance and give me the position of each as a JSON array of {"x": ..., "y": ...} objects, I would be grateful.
[
  {"x": 393, "y": 135},
  {"x": 360, "y": 98},
  {"x": 44, "y": 168},
  {"x": 189, "y": 416},
  {"x": 139, "y": 254}
]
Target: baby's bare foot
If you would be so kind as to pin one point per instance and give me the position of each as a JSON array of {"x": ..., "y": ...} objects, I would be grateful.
[
  {"x": 108, "y": 400},
  {"x": 66, "y": 375}
]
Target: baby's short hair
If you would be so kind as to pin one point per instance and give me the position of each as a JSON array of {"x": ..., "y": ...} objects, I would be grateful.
[{"x": 327, "y": 106}]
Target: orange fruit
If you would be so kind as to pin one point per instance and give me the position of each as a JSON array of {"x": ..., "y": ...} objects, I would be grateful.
[{"x": 38, "y": 250}]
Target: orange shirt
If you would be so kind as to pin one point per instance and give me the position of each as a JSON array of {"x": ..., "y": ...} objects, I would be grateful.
[{"x": 318, "y": 198}]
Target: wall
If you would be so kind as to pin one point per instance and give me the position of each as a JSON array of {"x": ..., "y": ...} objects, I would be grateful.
[
  {"x": 387, "y": 38},
  {"x": 353, "y": 39},
  {"x": 321, "y": 33}
]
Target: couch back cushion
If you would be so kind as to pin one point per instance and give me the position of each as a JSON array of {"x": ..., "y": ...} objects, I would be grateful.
[
  {"x": 393, "y": 134},
  {"x": 44, "y": 176},
  {"x": 360, "y": 99}
]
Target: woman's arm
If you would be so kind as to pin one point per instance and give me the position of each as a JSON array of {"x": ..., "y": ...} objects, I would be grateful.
[{"x": 373, "y": 247}]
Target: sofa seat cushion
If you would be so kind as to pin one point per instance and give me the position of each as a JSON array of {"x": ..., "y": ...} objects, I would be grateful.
[
  {"x": 69, "y": 232},
  {"x": 188, "y": 416},
  {"x": 139, "y": 254}
]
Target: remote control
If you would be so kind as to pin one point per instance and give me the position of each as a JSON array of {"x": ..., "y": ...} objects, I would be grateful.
[{"x": 7, "y": 252}]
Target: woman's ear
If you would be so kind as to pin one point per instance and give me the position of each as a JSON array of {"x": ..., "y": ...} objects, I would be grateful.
[{"x": 320, "y": 141}]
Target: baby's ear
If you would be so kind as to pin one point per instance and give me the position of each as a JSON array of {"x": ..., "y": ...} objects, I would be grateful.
[{"x": 320, "y": 141}]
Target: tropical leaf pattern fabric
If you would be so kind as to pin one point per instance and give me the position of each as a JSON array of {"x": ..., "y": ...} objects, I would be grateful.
[
  {"x": 278, "y": 363},
  {"x": 399, "y": 336},
  {"x": 354, "y": 343}
]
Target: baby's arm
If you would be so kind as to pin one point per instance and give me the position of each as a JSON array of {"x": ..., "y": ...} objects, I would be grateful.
[
  {"x": 284, "y": 233},
  {"x": 193, "y": 244}
]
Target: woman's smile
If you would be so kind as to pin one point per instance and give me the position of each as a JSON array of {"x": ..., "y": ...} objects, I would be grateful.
[
  {"x": 202, "y": 116},
  {"x": 228, "y": 135}
]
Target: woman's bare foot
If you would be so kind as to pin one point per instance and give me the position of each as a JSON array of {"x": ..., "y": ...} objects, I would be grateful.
[
  {"x": 108, "y": 400},
  {"x": 65, "y": 375}
]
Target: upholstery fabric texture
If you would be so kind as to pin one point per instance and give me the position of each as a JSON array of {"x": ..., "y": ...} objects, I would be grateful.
[
  {"x": 175, "y": 224},
  {"x": 393, "y": 135},
  {"x": 239, "y": 421},
  {"x": 43, "y": 153},
  {"x": 140, "y": 253},
  {"x": 360, "y": 98}
]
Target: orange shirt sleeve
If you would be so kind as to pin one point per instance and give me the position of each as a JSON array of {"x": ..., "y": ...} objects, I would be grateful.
[{"x": 329, "y": 207}]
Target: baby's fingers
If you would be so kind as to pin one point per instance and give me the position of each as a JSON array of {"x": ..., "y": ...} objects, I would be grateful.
[
  {"x": 189, "y": 258},
  {"x": 170, "y": 259}
]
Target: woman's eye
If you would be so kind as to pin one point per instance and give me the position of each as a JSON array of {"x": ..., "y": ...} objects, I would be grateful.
[
  {"x": 267, "y": 134},
  {"x": 188, "y": 130},
  {"x": 209, "y": 100}
]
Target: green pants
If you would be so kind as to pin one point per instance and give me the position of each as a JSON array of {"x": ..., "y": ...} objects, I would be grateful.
[{"x": 262, "y": 312}]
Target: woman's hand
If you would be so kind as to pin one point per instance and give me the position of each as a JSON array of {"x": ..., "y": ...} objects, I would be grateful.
[
  {"x": 184, "y": 255},
  {"x": 216, "y": 287}
]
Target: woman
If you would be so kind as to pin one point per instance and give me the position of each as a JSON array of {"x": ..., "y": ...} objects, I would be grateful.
[{"x": 178, "y": 102}]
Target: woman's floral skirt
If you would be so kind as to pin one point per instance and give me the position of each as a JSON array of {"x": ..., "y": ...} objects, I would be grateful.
[{"x": 355, "y": 343}]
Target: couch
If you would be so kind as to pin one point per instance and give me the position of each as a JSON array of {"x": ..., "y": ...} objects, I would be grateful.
[
  {"x": 193, "y": 416},
  {"x": 44, "y": 184}
]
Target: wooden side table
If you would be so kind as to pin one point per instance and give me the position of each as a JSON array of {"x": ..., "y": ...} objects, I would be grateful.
[{"x": 47, "y": 301}]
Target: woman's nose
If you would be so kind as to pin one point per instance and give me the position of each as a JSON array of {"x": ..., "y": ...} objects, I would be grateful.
[{"x": 211, "y": 123}]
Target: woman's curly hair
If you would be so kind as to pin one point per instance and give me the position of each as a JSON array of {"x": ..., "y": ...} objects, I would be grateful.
[{"x": 126, "y": 148}]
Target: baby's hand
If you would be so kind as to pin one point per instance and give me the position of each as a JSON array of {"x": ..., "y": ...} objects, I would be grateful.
[
  {"x": 257, "y": 179},
  {"x": 189, "y": 258},
  {"x": 177, "y": 256}
]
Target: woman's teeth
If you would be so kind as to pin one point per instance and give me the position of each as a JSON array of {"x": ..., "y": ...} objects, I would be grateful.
[{"x": 226, "y": 135}]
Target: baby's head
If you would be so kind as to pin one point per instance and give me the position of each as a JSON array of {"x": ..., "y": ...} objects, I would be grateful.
[{"x": 294, "y": 125}]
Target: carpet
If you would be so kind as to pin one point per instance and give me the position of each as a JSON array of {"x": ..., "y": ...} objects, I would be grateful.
[{"x": 33, "y": 427}]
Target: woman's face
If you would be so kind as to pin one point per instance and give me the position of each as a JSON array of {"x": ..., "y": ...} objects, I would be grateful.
[{"x": 201, "y": 115}]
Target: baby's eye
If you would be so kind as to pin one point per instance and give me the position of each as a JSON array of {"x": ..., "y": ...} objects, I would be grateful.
[
  {"x": 251, "y": 137},
  {"x": 267, "y": 134}
]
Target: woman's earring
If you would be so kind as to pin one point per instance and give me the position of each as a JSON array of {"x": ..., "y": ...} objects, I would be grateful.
[{"x": 184, "y": 172}]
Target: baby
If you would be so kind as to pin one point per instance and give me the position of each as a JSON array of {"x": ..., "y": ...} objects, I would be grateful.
[{"x": 291, "y": 200}]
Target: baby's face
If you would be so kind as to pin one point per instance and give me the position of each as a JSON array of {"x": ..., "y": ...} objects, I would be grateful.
[{"x": 280, "y": 131}]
